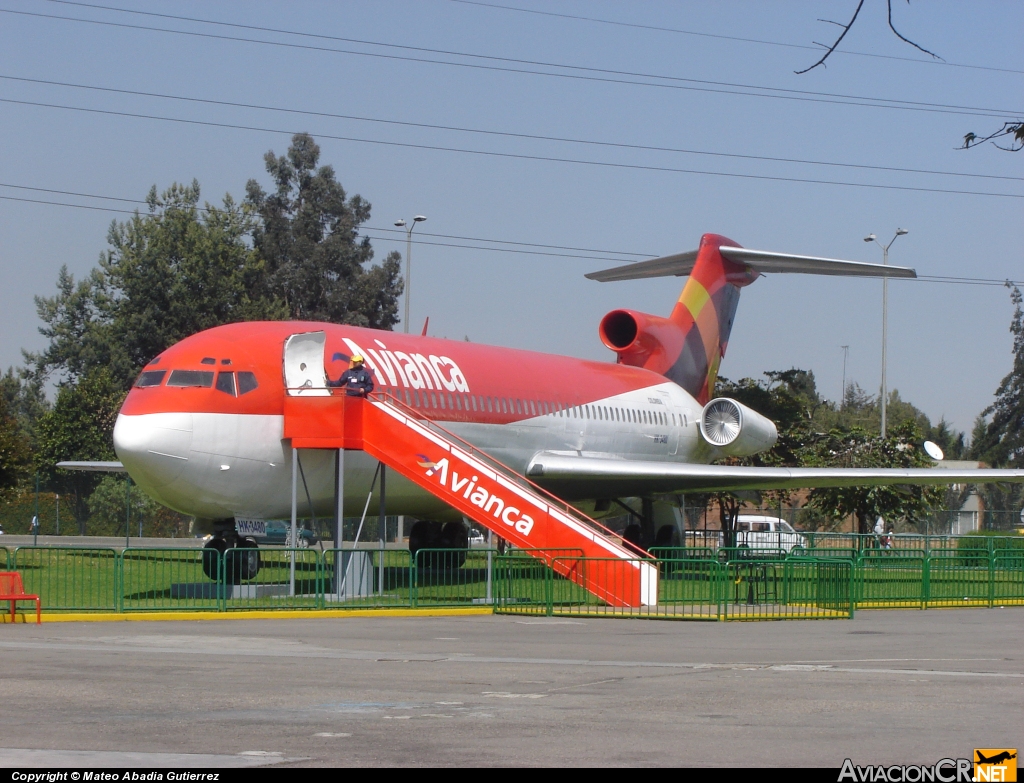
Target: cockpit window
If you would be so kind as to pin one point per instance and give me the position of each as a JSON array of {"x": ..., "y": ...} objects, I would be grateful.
[
  {"x": 151, "y": 378},
  {"x": 185, "y": 378},
  {"x": 226, "y": 383},
  {"x": 246, "y": 382},
  {"x": 208, "y": 360}
]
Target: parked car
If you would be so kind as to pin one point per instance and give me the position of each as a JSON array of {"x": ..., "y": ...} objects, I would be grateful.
[
  {"x": 278, "y": 531},
  {"x": 766, "y": 533}
]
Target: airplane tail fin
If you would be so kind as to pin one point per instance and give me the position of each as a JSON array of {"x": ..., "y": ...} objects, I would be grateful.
[{"x": 688, "y": 347}]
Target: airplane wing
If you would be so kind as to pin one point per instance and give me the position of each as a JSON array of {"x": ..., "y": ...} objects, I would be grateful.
[
  {"x": 763, "y": 261},
  {"x": 95, "y": 467},
  {"x": 573, "y": 476}
]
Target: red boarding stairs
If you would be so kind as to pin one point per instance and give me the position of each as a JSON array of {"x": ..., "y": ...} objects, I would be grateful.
[{"x": 479, "y": 487}]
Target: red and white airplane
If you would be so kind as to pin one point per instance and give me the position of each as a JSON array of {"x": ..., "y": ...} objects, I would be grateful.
[{"x": 203, "y": 429}]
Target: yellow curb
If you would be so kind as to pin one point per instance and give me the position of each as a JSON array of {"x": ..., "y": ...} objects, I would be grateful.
[{"x": 267, "y": 614}]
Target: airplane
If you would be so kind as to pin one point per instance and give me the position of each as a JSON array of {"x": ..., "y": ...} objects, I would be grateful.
[
  {"x": 996, "y": 759},
  {"x": 203, "y": 430}
]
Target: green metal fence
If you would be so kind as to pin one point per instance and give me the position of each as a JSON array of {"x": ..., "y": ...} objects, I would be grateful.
[
  {"x": 70, "y": 578},
  {"x": 170, "y": 580},
  {"x": 694, "y": 583}
]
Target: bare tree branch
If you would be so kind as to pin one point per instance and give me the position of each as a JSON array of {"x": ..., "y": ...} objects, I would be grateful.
[
  {"x": 904, "y": 38},
  {"x": 832, "y": 48},
  {"x": 846, "y": 29},
  {"x": 1013, "y": 129}
]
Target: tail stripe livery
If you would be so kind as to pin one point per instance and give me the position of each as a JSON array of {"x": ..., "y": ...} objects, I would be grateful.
[{"x": 705, "y": 313}]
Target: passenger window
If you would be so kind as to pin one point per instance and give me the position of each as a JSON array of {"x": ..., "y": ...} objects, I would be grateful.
[
  {"x": 458, "y": 403},
  {"x": 188, "y": 378},
  {"x": 226, "y": 382},
  {"x": 151, "y": 378},
  {"x": 433, "y": 400},
  {"x": 246, "y": 382}
]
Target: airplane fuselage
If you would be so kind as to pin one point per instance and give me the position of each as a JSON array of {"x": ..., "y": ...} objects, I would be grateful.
[{"x": 207, "y": 437}]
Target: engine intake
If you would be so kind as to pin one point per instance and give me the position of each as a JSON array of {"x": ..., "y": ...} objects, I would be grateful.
[{"x": 736, "y": 429}]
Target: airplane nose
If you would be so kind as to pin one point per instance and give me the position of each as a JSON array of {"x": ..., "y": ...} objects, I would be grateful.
[{"x": 153, "y": 447}]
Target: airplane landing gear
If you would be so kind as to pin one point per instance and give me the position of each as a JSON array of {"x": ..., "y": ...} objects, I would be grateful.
[
  {"x": 430, "y": 535},
  {"x": 239, "y": 557}
]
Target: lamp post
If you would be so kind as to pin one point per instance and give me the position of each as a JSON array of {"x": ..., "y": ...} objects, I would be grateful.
[
  {"x": 408, "y": 263},
  {"x": 885, "y": 309},
  {"x": 846, "y": 355}
]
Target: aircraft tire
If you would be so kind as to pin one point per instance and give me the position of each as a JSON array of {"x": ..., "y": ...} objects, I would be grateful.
[
  {"x": 212, "y": 553},
  {"x": 432, "y": 535}
]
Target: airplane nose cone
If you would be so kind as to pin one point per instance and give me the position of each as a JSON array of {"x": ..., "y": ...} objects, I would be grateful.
[{"x": 153, "y": 447}]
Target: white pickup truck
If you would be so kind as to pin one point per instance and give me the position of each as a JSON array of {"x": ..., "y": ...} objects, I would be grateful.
[{"x": 766, "y": 533}]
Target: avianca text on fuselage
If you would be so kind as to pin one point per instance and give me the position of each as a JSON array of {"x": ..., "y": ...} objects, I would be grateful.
[
  {"x": 413, "y": 370},
  {"x": 480, "y": 497}
]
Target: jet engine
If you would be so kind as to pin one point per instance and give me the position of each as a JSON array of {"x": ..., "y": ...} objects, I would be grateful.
[
  {"x": 735, "y": 429},
  {"x": 642, "y": 340}
]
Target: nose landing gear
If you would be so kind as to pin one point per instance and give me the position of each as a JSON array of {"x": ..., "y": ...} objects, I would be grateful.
[{"x": 239, "y": 557}]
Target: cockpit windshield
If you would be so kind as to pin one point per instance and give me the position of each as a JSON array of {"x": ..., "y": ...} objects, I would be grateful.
[
  {"x": 151, "y": 378},
  {"x": 187, "y": 378}
]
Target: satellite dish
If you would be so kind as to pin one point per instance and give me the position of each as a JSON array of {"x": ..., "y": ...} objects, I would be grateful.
[{"x": 933, "y": 451}]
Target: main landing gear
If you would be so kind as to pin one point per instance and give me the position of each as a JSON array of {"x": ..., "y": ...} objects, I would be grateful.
[
  {"x": 445, "y": 544},
  {"x": 239, "y": 557}
]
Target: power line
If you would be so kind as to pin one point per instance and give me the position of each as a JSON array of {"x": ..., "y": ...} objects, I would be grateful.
[
  {"x": 520, "y": 156},
  {"x": 507, "y": 134},
  {"x": 416, "y": 240},
  {"x": 679, "y": 83},
  {"x": 729, "y": 37}
]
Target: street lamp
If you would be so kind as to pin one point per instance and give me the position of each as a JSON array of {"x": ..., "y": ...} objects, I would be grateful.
[
  {"x": 408, "y": 263},
  {"x": 885, "y": 309}
]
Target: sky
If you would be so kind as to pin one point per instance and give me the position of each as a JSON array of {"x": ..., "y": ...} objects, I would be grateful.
[{"x": 712, "y": 86}]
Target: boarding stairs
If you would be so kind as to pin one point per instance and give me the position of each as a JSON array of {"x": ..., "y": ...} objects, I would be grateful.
[{"x": 477, "y": 486}]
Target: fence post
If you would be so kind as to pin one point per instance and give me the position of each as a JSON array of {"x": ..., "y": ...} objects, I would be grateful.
[
  {"x": 413, "y": 581},
  {"x": 119, "y": 581},
  {"x": 849, "y": 593},
  {"x": 222, "y": 583},
  {"x": 549, "y": 589},
  {"x": 991, "y": 578},
  {"x": 926, "y": 580}
]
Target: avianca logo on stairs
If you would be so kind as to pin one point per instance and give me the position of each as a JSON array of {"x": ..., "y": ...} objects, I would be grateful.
[{"x": 477, "y": 494}]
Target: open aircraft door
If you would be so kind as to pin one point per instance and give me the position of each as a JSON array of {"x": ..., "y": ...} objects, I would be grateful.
[{"x": 304, "y": 373}]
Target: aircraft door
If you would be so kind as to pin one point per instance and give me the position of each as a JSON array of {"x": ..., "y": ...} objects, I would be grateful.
[{"x": 304, "y": 365}]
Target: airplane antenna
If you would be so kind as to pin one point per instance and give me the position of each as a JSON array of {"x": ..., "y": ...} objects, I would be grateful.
[{"x": 425, "y": 325}]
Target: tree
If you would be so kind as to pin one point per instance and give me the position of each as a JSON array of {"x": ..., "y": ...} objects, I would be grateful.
[
  {"x": 857, "y": 449},
  {"x": 170, "y": 273},
  {"x": 308, "y": 236},
  {"x": 79, "y": 427},
  {"x": 14, "y": 452},
  {"x": 1001, "y": 443},
  {"x": 21, "y": 392}
]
